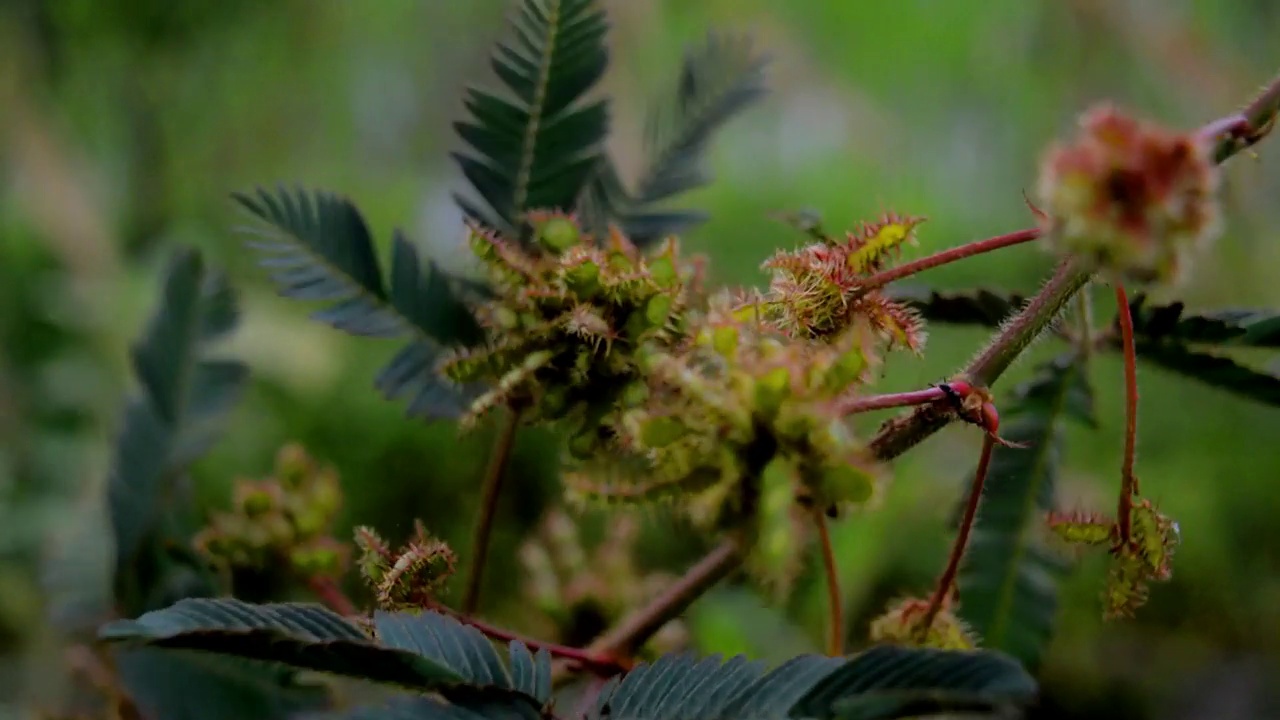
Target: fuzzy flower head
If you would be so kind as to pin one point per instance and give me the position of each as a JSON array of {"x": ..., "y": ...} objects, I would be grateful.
[
  {"x": 819, "y": 290},
  {"x": 567, "y": 316},
  {"x": 1135, "y": 199},
  {"x": 903, "y": 624},
  {"x": 741, "y": 431}
]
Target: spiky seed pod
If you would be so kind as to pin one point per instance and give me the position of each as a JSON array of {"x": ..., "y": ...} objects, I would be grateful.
[
  {"x": 819, "y": 290},
  {"x": 903, "y": 624},
  {"x": 569, "y": 316},
  {"x": 1135, "y": 199},
  {"x": 740, "y": 431}
]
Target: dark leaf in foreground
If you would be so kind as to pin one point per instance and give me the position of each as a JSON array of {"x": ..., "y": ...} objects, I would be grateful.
[
  {"x": 890, "y": 681},
  {"x": 197, "y": 686},
  {"x": 302, "y": 636}
]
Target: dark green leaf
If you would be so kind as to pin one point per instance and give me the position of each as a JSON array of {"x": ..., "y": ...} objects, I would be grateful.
[
  {"x": 1008, "y": 582},
  {"x": 890, "y": 681},
  {"x": 1213, "y": 370},
  {"x": 680, "y": 686},
  {"x": 1171, "y": 324},
  {"x": 299, "y": 635},
  {"x": 537, "y": 149},
  {"x": 530, "y": 673},
  {"x": 321, "y": 249},
  {"x": 973, "y": 307},
  {"x": 446, "y": 641},
  {"x": 718, "y": 80},
  {"x": 424, "y": 708},
  {"x": 195, "y": 686},
  {"x": 184, "y": 405}
]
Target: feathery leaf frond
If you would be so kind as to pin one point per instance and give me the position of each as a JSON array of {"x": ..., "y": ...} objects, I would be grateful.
[
  {"x": 538, "y": 148},
  {"x": 319, "y": 248},
  {"x": 718, "y": 80}
]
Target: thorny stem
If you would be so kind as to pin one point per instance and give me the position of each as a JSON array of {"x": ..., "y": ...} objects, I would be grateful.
[
  {"x": 490, "y": 491},
  {"x": 1128, "y": 481},
  {"x": 835, "y": 642},
  {"x": 949, "y": 255},
  {"x": 902, "y": 434},
  {"x": 1241, "y": 130},
  {"x": 948, "y": 577},
  {"x": 331, "y": 595},
  {"x": 599, "y": 663},
  {"x": 867, "y": 403},
  {"x": 634, "y": 630}
]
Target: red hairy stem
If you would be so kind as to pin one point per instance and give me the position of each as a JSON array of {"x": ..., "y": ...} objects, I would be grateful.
[
  {"x": 331, "y": 595},
  {"x": 1128, "y": 481},
  {"x": 599, "y": 663},
  {"x": 491, "y": 489},
  {"x": 854, "y": 405},
  {"x": 948, "y": 577},
  {"x": 835, "y": 642},
  {"x": 1233, "y": 134},
  {"x": 949, "y": 255}
]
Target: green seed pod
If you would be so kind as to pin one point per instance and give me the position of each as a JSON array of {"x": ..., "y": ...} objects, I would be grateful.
[{"x": 558, "y": 234}]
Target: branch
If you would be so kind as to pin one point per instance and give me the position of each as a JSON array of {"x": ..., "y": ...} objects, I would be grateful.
[
  {"x": 1237, "y": 132},
  {"x": 947, "y": 256},
  {"x": 835, "y": 609},
  {"x": 903, "y": 433},
  {"x": 632, "y": 632},
  {"x": 1128, "y": 481},
  {"x": 491, "y": 489}
]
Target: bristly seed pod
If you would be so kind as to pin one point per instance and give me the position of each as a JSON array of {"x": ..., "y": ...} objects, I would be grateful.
[{"x": 1134, "y": 199}]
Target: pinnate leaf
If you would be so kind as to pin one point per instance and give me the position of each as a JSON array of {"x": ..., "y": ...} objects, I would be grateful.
[
  {"x": 319, "y": 248},
  {"x": 197, "y": 686},
  {"x": 718, "y": 80},
  {"x": 985, "y": 308},
  {"x": 1009, "y": 581},
  {"x": 536, "y": 148},
  {"x": 299, "y": 635},
  {"x": 1172, "y": 324},
  {"x": 891, "y": 681},
  {"x": 186, "y": 397}
]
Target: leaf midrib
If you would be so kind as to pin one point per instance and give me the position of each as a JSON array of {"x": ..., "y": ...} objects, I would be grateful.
[
  {"x": 1005, "y": 593},
  {"x": 528, "y": 147}
]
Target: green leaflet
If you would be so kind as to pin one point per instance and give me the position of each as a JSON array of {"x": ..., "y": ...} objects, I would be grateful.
[
  {"x": 718, "y": 80},
  {"x": 536, "y": 148},
  {"x": 319, "y": 249},
  {"x": 1008, "y": 581},
  {"x": 185, "y": 401}
]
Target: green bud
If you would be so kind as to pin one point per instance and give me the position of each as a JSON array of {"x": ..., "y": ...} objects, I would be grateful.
[
  {"x": 634, "y": 394},
  {"x": 658, "y": 309},
  {"x": 771, "y": 389},
  {"x": 661, "y": 431},
  {"x": 663, "y": 271},
  {"x": 558, "y": 234},
  {"x": 584, "y": 279},
  {"x": 847, "y": 483}
]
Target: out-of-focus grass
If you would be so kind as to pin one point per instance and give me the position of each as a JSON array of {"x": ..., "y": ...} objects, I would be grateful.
[{"x": 116, "y": 146}]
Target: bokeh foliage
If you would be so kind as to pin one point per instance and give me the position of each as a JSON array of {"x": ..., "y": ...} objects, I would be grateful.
[{"x": 117, "y": 146}]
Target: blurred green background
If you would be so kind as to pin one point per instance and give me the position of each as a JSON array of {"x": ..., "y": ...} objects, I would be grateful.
[{"x": 124, "y": 125}]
